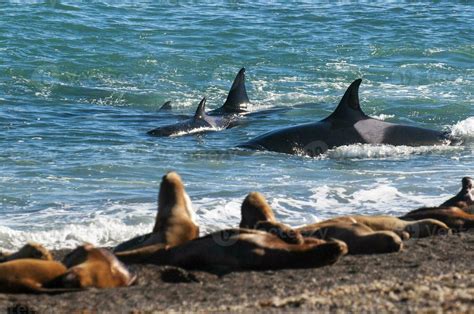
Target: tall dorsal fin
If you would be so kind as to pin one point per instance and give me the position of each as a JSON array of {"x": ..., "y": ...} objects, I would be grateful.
[
  {"x": 166, "y": 106},
  {"x": 201, "y": 110},
  {"x": 237, "y": 98},
  {"x": 349, "y": 106}
]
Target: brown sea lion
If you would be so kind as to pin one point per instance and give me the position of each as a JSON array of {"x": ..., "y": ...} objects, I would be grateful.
[
  {"x": 92, "y": 267},
  {"x": 360, "y": 239},
  {"x": 28, "y": 275},
  {"x": 256, "y": 213},
  {"x": 465, "y": 197},
  {"x": 174, "y": 224},
  {"x": 244, "y": 249},
  {"x": 29, "y": 250},
  {"x": 414, "y": 229},
  {"x": 454, "y": 217},
  {"x": 254, "y": 209}
]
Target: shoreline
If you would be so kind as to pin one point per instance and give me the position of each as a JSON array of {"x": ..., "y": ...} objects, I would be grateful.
[{"x": 430, "y": 274}]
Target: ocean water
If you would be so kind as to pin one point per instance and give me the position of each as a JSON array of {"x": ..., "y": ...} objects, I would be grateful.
[{"x": 81, "y": 82}]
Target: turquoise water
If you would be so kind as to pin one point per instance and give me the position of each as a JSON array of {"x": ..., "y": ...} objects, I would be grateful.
[{"x": 81, "y": 82}]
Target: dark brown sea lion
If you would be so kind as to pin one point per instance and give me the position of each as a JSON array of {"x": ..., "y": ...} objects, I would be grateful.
[
  {"x": 360, "y": 239},
  {"x": 174, "y": 224},
  {"x": 454, "y": 217},
  {"x": 92, "y": 267},
  {"x": 256, "y": 213},
  {"x": 244, "y": 249},
  {"x": 29, "y": 250},
  {"x": 464, "y": 198},
  {"x": 28, "y": 275},
  {"x": 414, "y": 229}
]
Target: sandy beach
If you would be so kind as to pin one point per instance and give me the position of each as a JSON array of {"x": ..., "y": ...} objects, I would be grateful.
[{"x": 429, "y": 275}]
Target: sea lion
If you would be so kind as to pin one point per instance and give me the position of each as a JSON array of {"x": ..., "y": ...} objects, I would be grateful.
[
  {"x": 405, "y": 229},
  {"x": 246, "y": 249},
  {"x": 92, "y": 267},
  {"x": 465, "y": 197},
  {"x": 254, "y": 209},
  {"x": 28, "y": 275},
  {"x": 30, "y": 250},
  {"x": 454, "y": 217},
  {"x": 175, "y": 222},
  {"x": 360, "y": 239},
  {"x": 256, "y": 213}
]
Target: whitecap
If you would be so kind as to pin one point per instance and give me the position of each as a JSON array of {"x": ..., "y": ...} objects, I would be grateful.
[{"x": 464, "y": 129}]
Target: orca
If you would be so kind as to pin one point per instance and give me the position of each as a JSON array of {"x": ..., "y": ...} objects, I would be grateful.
[
  {"x": 236, "y": 102},
  {"x": 237, "y": 99},
  {"x": 223, "y": 117},
  {"x": 199, "y": 123},
  {"x": 347, "y": 125}
]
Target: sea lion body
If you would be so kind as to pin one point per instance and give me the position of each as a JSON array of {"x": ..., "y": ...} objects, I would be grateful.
[
  {"x": 28, "y": 275},
  {"x": 244, "y": 249},
  {"x": 414, "y": 229},
  {"x": 360, "y": 239},
  {"x": 454, "y": 217},
  {"x": 175, "y": 222},
  {"x": 93, "y": 267}
]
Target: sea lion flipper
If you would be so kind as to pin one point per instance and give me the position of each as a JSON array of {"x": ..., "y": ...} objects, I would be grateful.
[
  {"x": 29, "y": 284},
  {"x": 133, "y": 243},
  {"x": 139, "y": 255},
  {"x": 282, "y": 231}
]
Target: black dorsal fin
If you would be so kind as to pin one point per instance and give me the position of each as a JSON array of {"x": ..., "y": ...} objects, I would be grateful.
[
  {"x": 201, "y": 110},
  {"x": 166, "y": 106},
  {"x": 349, "y": 106},
  {"x": 237, "y": 98}
]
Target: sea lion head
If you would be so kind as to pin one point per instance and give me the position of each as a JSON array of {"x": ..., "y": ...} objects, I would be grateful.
[
  {"x": 173, "y": 197},
  {"x": 30, "y": 250},
  {"x": 77, "y": 256},
  {"x": 322, "y": 253},
  {"x": 467, "y": 184},
  {"x": 95, "y": 267},
  {"x": 254, "y": 209}
]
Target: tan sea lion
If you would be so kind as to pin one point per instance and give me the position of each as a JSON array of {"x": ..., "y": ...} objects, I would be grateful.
[
  {"x": 360, "y": 239},
  {"x": 465, "y": 197},
  {"x": 28, "y": 275},
  {"x": 256, "y": 213},
  {"x": 454, "y": 217},
  {"x": 175, "y": 223},
  {"x": 254, "y": 209},
  {"x": 243, "y": 249},
  {"x": 30, "y": 250},
  {"x": 414, "y": 229},
  {"x": 92, "y": 267}
]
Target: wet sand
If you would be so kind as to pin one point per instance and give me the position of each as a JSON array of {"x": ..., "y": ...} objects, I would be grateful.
[{"x": 431, "y": 274}]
